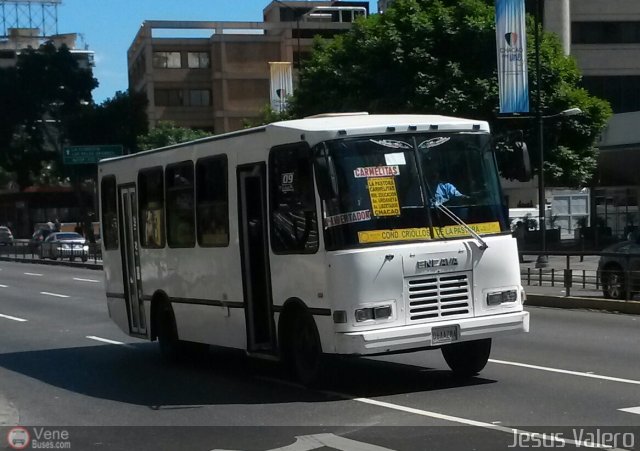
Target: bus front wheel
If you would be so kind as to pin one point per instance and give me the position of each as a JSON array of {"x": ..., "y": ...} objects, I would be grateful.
[
  {"x": 304, "y": 351},
  {"x": 467, "y": 358}
]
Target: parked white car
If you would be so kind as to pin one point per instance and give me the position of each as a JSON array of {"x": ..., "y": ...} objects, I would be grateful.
[
  {"x": 65, "y": 245},
  {"x": 6, "y": 237}
]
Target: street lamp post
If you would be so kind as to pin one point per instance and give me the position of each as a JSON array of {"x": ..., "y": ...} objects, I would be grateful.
[{"x": 542, "y": 260}]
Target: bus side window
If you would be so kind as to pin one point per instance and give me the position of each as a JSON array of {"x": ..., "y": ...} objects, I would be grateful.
[
  {"x": 180, "y": 205},
  {"x": 151, "y": 208},
  {"x": 212, "y": 201},
  {"x": 294, "y": 224},
  {"x": 109, "y": 212}
]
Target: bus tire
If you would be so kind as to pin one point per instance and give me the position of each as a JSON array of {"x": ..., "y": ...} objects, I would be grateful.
[
  {"x": 303, "y": 350},
  {"x": 170, "y": 347},
  {"x": 467, "y": 358}
]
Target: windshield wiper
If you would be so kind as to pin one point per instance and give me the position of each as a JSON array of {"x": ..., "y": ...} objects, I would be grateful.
[{"x": 451, "y": 215}]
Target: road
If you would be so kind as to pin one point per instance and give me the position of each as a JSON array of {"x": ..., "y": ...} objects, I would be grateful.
[{"x": 65, "y": 367}]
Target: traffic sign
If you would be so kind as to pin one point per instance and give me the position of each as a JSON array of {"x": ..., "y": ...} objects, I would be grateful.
[{"x": 90, "y": 154}]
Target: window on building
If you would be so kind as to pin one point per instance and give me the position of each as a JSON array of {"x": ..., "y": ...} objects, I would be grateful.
[
  {"x": 622, "y": 92},
  {"x": 294, "y": 225},
  {"x": 180, "y": 211},
  {"x": 212, "y": 201},
  {"x": 605, "y": 32},
  {"x": 151, "y": 208},
  {"x": 199, "y": 97},
  {"x": 198, "y": 60},
  {"x": 109, "y": 218},
  {"x": 166, "y": 60},
  {"x": 168, "y": 97}
]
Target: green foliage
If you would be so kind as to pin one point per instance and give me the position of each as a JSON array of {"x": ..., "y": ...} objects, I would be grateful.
[
  {"x": 267, "y": 116},
  {"x": 118, "y": 120},
  {"x": 439, "y": 57},
  {"x": 167, "y": 133},
  {"x": 38, "y": 98}
]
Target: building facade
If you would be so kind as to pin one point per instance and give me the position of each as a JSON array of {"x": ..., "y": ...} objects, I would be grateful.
[{"x": 216, "y": 76}]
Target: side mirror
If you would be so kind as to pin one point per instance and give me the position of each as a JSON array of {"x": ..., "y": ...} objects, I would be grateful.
[{"x": 515, "y": 164}]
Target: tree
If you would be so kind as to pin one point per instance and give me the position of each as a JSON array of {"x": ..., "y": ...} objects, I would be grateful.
[
  {"x": 439, "y": 57},
  {"x": 37, "y": 99},
  {"x": 118, "y": 120},
  {"x": 167, "y": 133}
]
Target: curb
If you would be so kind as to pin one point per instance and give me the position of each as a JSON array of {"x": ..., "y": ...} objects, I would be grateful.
[
  {"x": 571, "y": 302},
  {"x": 38, "y": 261}
]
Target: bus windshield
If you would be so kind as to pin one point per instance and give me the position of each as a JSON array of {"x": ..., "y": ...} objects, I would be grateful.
[{"x": 383, "y": 189}]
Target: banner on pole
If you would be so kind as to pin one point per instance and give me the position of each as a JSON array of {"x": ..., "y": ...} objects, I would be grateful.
[
  {"x": 511, "y": 40},
  {"x": 281, "y": 85}
]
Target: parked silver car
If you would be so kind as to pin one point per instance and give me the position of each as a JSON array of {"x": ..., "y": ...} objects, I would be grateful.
[
  {"x": 622, "y": 262},
  {"x": 65, "y": 245},
  {"x": 6, "y": 237}
]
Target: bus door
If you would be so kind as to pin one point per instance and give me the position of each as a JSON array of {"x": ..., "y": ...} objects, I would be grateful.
[
  {"x": 130, "y": 249},
  {"x": 254, "y": 250}
]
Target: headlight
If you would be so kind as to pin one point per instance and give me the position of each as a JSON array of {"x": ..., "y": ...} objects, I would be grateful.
[
  {"x": 366, "y": 314},
  {"x": 501, "y": 297}
]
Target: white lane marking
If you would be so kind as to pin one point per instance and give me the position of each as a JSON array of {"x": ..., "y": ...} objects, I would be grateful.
[
  {"x": 46, "y": 293},
  {"x": 85, "y": 280},
  {"x": 572, "y": 373},
  {"x": 4, "y": 286},
  {"x": 32, "y": 274},
  {"x": 561, "y": 440},
  {"x": 635, "y": 410},
  {"x": 105, "y": 340},
  {"x": 14, "y": 318},
  {"x": 466, "y": 421}
]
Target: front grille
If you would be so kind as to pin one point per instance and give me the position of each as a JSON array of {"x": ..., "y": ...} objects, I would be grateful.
[{"x": 439, "y": 296}]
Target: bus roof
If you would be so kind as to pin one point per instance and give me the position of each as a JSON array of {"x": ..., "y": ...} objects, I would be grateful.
[
  {"x": 333, "y": 125},
  {"x": 380, "y": 122}
]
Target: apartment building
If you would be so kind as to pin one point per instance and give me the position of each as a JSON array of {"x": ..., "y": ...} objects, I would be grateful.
[
  {"x": 19, "y": 39},
  {"x": 217, "y": 75}
]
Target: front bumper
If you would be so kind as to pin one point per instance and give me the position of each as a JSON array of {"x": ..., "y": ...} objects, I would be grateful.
[{"x": 419, "y": 335}]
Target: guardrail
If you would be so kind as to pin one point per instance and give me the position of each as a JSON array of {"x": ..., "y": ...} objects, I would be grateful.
[
  {"x": 27, "y": 250},
  {"x": 624, "y": 266}
]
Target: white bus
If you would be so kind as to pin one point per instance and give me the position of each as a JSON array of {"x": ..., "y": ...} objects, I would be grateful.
[{"x": 327, "y": 235}]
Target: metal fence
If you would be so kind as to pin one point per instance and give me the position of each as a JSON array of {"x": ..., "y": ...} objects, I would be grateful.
[
  {"x": 570, "y": 271},
  {"x": 30, "y": 251}
]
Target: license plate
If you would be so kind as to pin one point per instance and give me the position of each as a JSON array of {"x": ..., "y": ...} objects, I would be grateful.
[{"x": 446, "y": 334}]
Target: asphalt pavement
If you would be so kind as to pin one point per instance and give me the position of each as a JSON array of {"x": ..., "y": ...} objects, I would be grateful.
[{"x": 65, "y": 366}]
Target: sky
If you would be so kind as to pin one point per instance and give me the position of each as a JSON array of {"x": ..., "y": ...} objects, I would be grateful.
[{"x": 108, "y": 27}]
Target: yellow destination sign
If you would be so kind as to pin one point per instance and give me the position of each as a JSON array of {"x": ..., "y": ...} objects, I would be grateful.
[
  {"x": 422, "y": 233},
  {"x": 384, "y": 197}
]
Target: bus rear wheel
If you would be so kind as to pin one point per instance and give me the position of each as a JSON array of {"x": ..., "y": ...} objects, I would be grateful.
[
  {"x": 303, "y": 350},
  {"x": 467, "y": 358}
]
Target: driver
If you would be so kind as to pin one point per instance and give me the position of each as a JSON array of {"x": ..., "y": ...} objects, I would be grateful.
[{"x": 442, "y": 191}]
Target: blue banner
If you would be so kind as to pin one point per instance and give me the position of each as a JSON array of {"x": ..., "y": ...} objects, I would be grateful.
[{"x": 511, "y": 43}]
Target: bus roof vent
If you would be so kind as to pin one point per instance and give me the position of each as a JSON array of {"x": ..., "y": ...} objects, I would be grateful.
[{"x": 358, "y": 113}]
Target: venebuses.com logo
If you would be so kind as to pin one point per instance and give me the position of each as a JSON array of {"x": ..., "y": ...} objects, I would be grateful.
[
  {"x": 38, "y": 438},
  {"x": 18, "y": 438}
]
